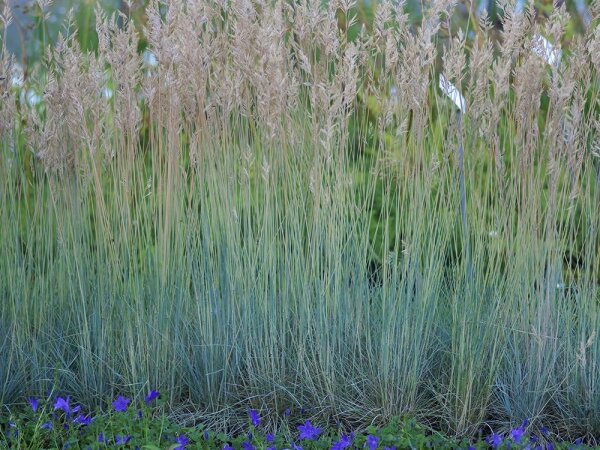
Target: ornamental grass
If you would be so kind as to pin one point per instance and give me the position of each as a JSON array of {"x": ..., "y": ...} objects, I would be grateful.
[{"x": 274, "y": 203}]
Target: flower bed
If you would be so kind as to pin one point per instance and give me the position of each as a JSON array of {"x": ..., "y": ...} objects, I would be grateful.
[{"x": 63, "y": 424}]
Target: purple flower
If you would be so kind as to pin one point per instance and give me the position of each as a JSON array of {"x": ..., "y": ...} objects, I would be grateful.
[
  {"x": 122, "y": 440},
  {"x": 296, "y": 446},
  {"x": 343, "y": 443},
  {"x": 254, "y": 417},
  {"x": 182, "y": 441},
  {"x": 372, "y": 442},
  {"x": 48, "y": 426},
  {"x": 516, "y": 434},
  {"x": 206, "y": 436},
  {"x": 152, "y": 395},
  {"x": 495, "y": 440},
  {"x": 270, "y": 438},
  {"x": 140, "y": 414},
  {"x": 83, "y": 420},
  {"x": 287, "y": 412},
  {"x": 15, "y": 432},
  {"x": 101, "y": 438},
  {"x": 393, "y": 447},
  {"x": 308, "y": 432},
  {"x": 62, "y": 404},
  {"x": 33, "y": 403},
  {"x": 227, "y": 447},
  {"x": 120, "y": 404},
  {"x": 544, "y": 431},
  {"x": 247, "y": 446}
]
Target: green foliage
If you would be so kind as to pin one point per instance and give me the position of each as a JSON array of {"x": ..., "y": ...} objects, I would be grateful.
[{"x": 149, "y": 428}]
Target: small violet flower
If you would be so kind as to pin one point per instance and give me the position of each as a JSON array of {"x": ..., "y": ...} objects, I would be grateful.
[
  {"x": 48, "y": 426},
  {"x": 122, "y": 440},
  {"x": 15, "y": 432},
  {"x": 62, "y": 404},
  {"x": 343, "y": 443},
  {"x": 372, "y": 442},
  {"x": 516, "y": 434},
  {"x": 270, "y": 438},
  {"x": 152, "y": 395},
  {"x": 247, "y": 446},
  {"x": 254, "y": 417},
  {"x": 33, "y": 403},
  {"x": 120, "y": 404},
  {"x": 83, "y": 420},
  {"x": 495, "y": 440},
  {"x": 182, "y": 441},
  {"x": 308, "y": 432}
]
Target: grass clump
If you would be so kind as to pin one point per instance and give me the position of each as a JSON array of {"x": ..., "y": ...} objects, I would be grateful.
[{"x": 272, "y": 208}]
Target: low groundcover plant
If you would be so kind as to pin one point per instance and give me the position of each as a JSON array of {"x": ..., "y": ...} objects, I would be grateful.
[{"x": 145, "y": 426}]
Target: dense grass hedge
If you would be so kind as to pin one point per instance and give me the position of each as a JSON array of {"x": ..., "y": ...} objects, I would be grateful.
[{"x": 271, "y": 203}]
